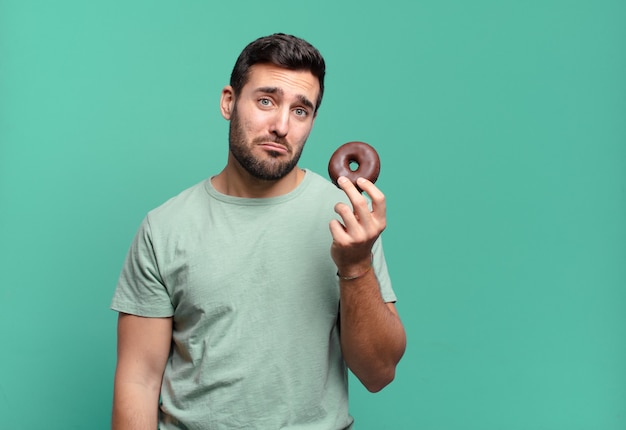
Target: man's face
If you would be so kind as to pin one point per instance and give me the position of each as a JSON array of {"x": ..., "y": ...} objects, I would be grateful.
[{"x": 270, "y": 120}]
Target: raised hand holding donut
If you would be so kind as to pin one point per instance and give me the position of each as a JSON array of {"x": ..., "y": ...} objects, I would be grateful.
[{"x": 353, "y": 240}]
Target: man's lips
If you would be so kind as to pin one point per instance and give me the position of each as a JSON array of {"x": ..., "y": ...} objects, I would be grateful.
[{"x": 274, "y": 147}]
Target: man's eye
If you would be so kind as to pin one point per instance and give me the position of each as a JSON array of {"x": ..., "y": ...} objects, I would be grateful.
[
  {"x": 301, "y": 112},
  {"x": 265, "y": 102}
]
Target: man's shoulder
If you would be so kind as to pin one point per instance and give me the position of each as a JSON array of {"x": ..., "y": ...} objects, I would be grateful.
[
  {"x": 181, "y": 204},
  {"x": 323, "y": 186}
]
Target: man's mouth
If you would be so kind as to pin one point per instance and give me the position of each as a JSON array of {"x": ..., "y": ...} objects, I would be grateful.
[{"x": 274, "y": 147}]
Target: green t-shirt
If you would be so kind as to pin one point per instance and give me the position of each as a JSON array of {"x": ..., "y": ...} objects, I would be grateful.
[{"x": 254, "y": 297}]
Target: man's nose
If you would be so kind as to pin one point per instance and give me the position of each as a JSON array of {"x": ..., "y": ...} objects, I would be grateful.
[{"x": 280, "y": 123}]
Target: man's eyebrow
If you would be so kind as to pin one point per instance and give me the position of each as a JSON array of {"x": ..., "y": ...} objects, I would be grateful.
[
  {"x": 308, "y": 103},
  {"x": 271, "y": 90},
  {"x": 275, "y": 90}
]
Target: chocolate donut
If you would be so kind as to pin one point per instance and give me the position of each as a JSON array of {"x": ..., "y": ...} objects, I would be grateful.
[{"x": 360, "y": 153}]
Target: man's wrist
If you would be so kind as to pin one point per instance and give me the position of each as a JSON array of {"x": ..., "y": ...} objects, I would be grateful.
[{"x": 355, "y": 272}]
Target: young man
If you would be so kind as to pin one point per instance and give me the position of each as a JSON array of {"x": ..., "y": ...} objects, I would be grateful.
[{"x": 237, "y": 307}]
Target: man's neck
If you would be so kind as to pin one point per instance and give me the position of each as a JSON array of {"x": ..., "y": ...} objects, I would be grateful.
[{"x": 235, "y": 181}]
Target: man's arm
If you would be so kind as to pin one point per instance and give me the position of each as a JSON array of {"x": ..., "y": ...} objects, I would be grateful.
[
  {"x": 143, "y": 346},
  {"x": 372, "y": 336}
]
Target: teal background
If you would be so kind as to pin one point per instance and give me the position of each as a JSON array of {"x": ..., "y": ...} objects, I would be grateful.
[{"x": 501, "y": 126}]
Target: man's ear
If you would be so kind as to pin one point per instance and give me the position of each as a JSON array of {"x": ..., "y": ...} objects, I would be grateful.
[{"x": 227, "y": 102}]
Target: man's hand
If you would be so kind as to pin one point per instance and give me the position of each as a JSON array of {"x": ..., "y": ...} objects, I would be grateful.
[{"x": 353, "y": 240}]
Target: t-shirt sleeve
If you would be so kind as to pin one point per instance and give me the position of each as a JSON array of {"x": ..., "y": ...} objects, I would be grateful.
[
  {"x": 380, "y": 267},
  {"x": 140, "y": 289}
]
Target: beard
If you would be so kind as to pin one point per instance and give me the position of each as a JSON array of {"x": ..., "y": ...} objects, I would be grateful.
[{"x": 270, "y": 169}]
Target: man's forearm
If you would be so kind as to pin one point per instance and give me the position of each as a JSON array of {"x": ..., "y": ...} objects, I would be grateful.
[
  {"x": 372, "y": 336},
  {"x": 135, "y": 407}
]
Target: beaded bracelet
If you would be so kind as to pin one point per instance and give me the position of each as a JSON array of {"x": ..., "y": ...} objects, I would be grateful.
[{"x": 352, "y": 278}]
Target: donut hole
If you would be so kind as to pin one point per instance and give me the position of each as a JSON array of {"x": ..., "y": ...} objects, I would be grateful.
[{"x": 354, "y": 165}]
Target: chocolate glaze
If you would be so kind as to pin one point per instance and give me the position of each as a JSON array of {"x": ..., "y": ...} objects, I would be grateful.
[{"x": 354, "y": 152}]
